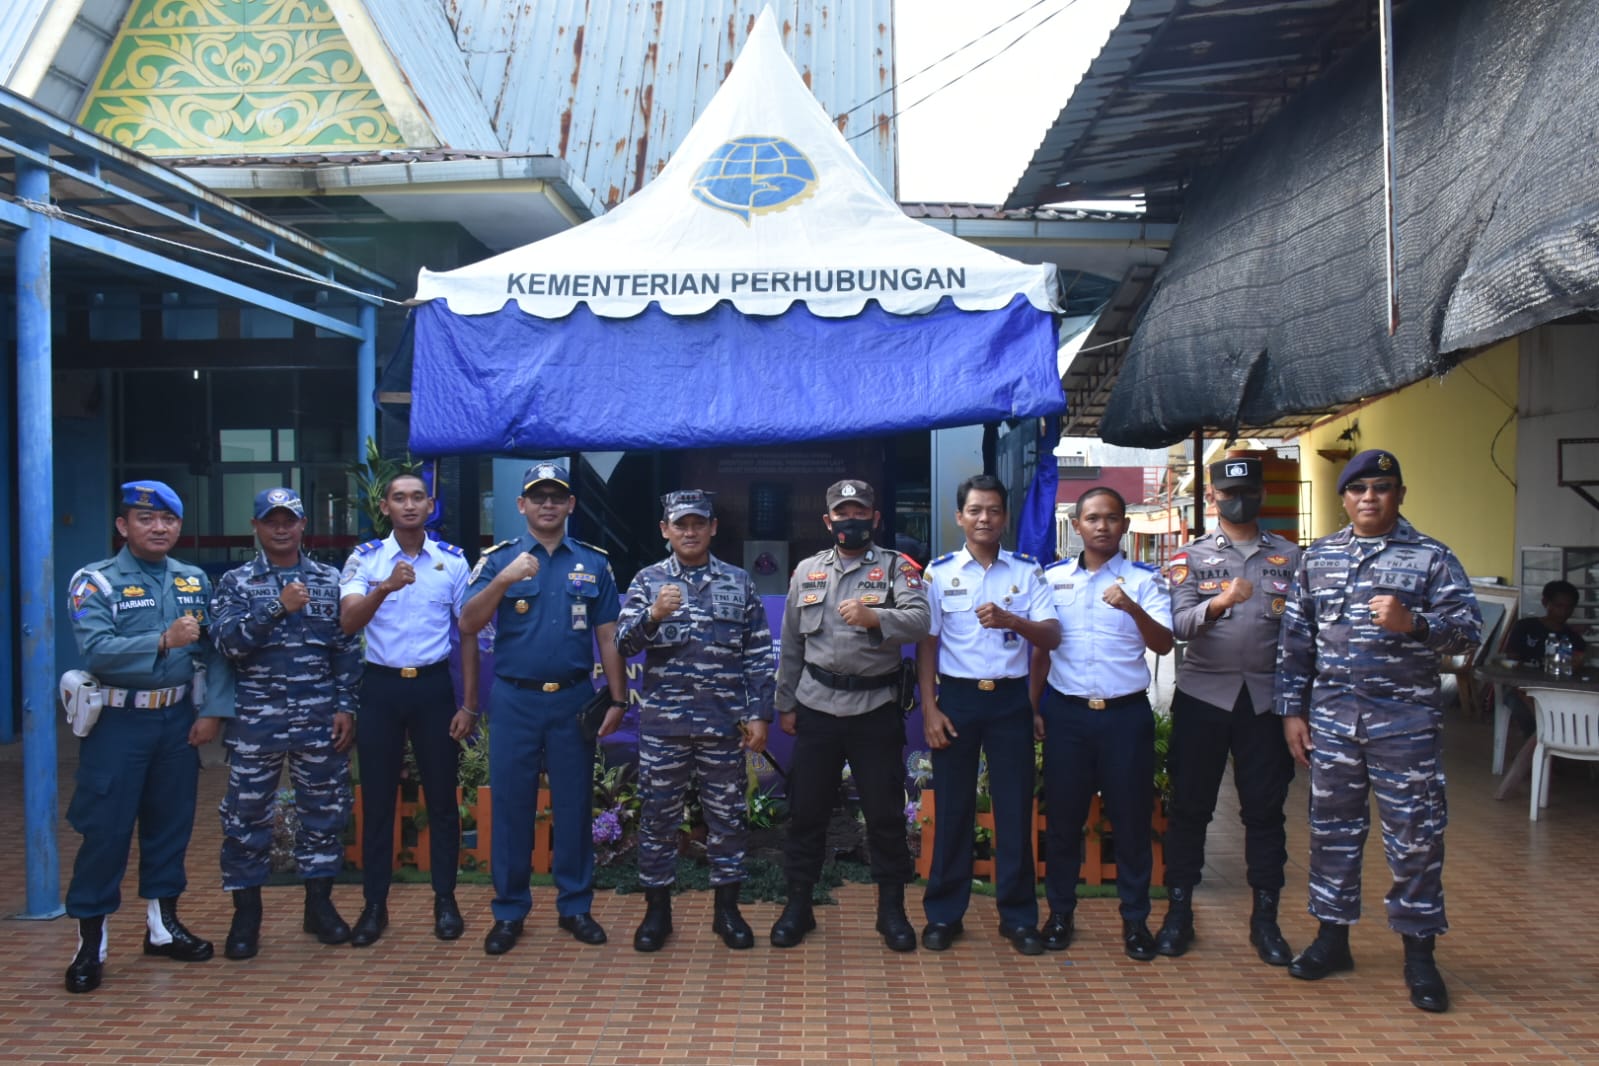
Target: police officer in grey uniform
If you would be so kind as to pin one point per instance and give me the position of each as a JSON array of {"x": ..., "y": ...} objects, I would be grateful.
[
  {"x": 276, "y": 618},
  {"x": 849, "y": 610},
  {"x": 989, "y": 607},
  {"x": 707, "y": 699},
  {"x": 406, "y": 591},
  {"x": 1229, "y": 589},
  {"x": 139, "y": 619},
  {"x": 1373, "y": 607}
]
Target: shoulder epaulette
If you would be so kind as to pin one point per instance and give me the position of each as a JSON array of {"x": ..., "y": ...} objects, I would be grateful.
[
  {"x": 946, "y": 557},
  {"x": 1024, "y": 557},
  {"x": 591, "y": 547},
  {"x": 1058, "y": 562},
  {"x": 449, "y": 549},
  {"x": 497, "y": 547},
  {"x": 368, "y": 548}
]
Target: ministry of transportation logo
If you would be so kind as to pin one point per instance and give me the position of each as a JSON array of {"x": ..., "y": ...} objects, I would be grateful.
[{"x": 754, "y": 175}]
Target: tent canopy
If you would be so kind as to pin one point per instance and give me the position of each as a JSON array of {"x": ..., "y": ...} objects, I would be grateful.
[{"x": 764, "y": 288}]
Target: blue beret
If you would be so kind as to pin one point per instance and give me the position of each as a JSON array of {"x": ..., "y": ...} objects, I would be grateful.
[
  {"x": 151, "y": 496},
  {"x": 269, "y": 500},
  {"x": 1370, "y": 463}
]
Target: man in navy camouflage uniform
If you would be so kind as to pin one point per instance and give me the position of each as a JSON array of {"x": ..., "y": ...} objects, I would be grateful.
[
  {"x": 139, "y": 619},
  {"x": 1373, "y": 607},
  {"x": 708, "y": 678},
  {"x": 277, "y": 620}
]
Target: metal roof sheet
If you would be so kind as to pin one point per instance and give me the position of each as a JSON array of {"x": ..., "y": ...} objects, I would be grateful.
[{"x": 1178, "y": 85}]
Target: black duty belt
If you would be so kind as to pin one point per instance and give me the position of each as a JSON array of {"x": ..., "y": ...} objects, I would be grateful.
[
  {"x": 1108, "y": 703},
  {"x": 984, "y": 684},
  {"x": 547, "y": 686},
  {"x": 851, "y": 682},
  {"x": 440, "y": 667}
]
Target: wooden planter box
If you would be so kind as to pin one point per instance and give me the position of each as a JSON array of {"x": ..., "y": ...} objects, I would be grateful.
[
  {"x": 420, "y": 856},
  {"x": 1099, "y": 860}
]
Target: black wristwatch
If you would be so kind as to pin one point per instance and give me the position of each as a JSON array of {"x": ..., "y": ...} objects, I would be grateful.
[{"x": 1419, "y": 628}]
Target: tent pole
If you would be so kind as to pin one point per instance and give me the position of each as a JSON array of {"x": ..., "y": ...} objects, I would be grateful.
[
  {"x": 1199, "y": 482},
  {"x": 1385, "y": 10}
]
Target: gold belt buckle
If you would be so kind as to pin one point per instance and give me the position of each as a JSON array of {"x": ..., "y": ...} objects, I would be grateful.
[
  {"x": 1096, "y": 704},
  {"x": 551, "y": 686},
  {"x": 407, "y": 671},
  {"x": 986, "y": 685}
]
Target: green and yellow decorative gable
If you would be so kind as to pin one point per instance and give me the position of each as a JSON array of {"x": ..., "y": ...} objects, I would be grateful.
[{"x": 236, "y": 77}]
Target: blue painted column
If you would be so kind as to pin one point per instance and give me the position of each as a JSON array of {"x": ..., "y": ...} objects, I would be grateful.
[
  {"x": 8, "y": 575},
  {"x": 366, "y": 380},
  {"x": 36, "y": 557}
]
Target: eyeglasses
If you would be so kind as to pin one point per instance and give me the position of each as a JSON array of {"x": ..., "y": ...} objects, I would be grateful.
[
  {"x": 1379, "y": 488},
  {"x": 541, "y": 498}
]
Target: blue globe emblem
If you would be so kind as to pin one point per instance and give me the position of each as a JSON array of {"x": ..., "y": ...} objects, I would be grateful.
[{"x": 754, "y": 175}]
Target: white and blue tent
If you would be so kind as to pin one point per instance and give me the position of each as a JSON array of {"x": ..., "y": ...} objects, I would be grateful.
[{"x": 762, "y": 289}]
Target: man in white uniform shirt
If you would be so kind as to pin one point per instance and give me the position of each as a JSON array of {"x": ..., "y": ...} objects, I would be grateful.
[
  {"x": 407, "y": 591},
  {"x": 989, "y": 607},
  {"x": 1098, "y": 727}
]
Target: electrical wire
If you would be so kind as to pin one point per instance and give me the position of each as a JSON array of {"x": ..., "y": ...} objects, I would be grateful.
[
  {"x": 967, "y": 73},
  {"x": 1511, "y": 417}
]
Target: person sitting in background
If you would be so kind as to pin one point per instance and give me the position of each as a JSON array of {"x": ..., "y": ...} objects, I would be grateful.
[{"x": 1526, "y": 643}]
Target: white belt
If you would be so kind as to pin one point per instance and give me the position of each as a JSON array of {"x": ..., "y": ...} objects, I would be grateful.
[{"x": 145, "y": 699}]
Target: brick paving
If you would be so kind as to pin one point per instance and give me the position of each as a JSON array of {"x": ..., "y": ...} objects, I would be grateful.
[{"x": 1522, "y": 972}]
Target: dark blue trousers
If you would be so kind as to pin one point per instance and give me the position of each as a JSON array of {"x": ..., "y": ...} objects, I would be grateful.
[
  {"x": 1111, "y": 752},
  {"x": 1000, "y": 725},
  {"x": 392, "y": 708},
  {"x": 1202, "y": 737},
  {"x": 530, "y": 731},
  {"x": 135, "y": 766}
]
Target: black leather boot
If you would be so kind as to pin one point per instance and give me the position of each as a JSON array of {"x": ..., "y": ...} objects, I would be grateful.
[
  {"x": 321, "y": 917},
  {"x": 244, "y": 935},
  {"x": 165, "y": 935},
  {"x": 1177, "y": 930},
  {"x": 891, "y": 920},
  {"x": 657, "y": 924},
  {"x": 1426, "y": 984},
  {"x": 728, "y": 923},
  {"x": 369, "y": 926},
  {"x": 83, "y": 975},
  {"x": 1264, "y": 933},
  {"x": 796, "y": 920},
  {"x": 1327, "y": 954}
]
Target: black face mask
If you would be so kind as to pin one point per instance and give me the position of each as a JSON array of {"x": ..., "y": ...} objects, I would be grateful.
[
  {"x": 1240, "y": 510},
  {"x": 852, "y": 534}
]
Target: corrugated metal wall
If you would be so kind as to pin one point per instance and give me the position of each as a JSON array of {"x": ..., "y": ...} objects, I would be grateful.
[{"x": 612, "y": 85}]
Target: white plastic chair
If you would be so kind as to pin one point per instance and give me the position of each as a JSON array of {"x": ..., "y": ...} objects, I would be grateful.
[{"x": 1568, "y": 726}]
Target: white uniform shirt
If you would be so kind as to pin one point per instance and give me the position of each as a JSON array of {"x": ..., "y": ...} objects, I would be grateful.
[
  {"x": 412, "y": 626},
  {"x": 1101, "y": 652},
  {"x": 957, "y": 585}
]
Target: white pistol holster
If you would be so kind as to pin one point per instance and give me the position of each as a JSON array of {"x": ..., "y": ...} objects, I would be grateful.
[{"x": 81, "y": 699}]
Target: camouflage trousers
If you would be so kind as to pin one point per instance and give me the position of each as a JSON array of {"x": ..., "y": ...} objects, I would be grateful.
[
  {"x": 321, "y": 779},
  {"x": 666, "y": 768},
  {"x": 1405, "y": 774}
]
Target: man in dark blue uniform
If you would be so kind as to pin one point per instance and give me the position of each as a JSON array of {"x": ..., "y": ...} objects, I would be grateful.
[
  {"x": 138, "y": 619},
  {"x": 406, "y": 591},
  {"x": 550, "y": 598}
]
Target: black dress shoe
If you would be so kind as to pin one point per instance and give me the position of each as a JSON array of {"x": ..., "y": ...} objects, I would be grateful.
[
  {"x": 1026, "y": 938},
  {"x": 1057, "y": 932},
  {"x": 374, "y": 919},
  {"x": 447, "y": 923},
  {"x": 583, "y": 927},
  {"x": 1137, "y": 940},
  {"x": 502, "y": 937},
  {"x": 939, "y": 936}
]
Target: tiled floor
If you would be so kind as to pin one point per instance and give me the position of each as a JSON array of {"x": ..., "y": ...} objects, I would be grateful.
[{"x": 1521, "y": 965}]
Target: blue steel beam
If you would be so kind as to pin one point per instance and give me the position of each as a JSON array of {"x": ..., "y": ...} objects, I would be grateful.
[
  {"x": 36, "y": 479},
  {"x": 366, "y": 379},
  {"x": 75, "y": 235}
]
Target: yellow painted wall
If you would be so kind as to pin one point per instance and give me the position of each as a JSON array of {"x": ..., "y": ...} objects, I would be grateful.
[{"x": 1441, "y": 431}]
